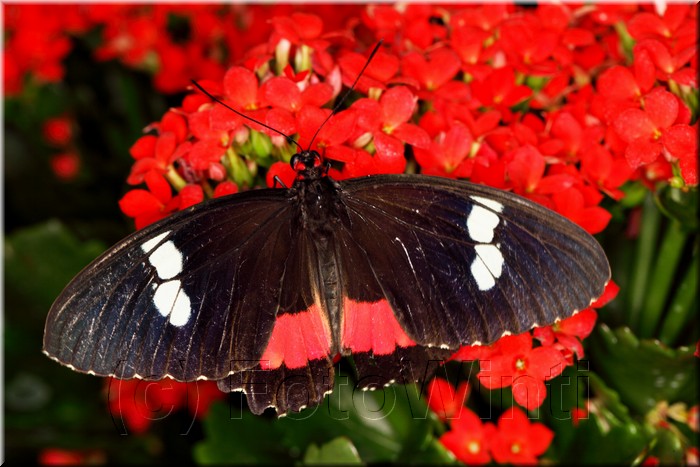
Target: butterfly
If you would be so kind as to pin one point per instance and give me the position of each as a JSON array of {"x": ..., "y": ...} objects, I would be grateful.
[{"x": 262, "y": 290}]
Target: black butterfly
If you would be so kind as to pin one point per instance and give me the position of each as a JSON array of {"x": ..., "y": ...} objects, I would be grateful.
[{"x": 261, "y": 290}]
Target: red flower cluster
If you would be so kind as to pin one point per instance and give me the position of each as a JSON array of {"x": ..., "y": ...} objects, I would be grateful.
[
  {"x": 513, "y": 440},
  {"x": 520, "y": 99},
  {"x": 138, "y": 402},
  {"x": 36, "y": 41},
  {"x": 514, "y": 361},
  {"x": 58, "y": 133},
  {"x": 176, "y": 43},
  {"x": 56, "y": 456},
  {"x": 444, "y": 400}
]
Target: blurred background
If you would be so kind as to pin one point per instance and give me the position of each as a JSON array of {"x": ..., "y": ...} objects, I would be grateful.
[
  {"x": 82, "y": 83},
  {"x": 75, "y": 101}
]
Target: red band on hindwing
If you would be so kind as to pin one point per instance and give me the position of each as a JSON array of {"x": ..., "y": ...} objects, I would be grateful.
[
  {"x": 372, "y": 327},
  {"x": 296, "y": 339}
]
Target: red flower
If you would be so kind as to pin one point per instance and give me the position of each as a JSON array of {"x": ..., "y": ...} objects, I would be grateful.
[
  {"x": 431, "y": 70},
  {"x": 567, "y": 333},
  {"x": 138, "y": 402},
  {"x": 605, "y": 171},
  {"x": 618, "y": 90},
  {"x": 225, "y": 188},
  {"x": 578, "y": 414},
  {"x": 468, "y": 353},
  {"x": 498, "y": 90},
  {"x": 526, "y": 171},
  {"x": 148, "y": 206},
  {"x": 518, "y": 441},
  {"x": 528, "y": 45},
  {"x": 297, "y": 28},
  {"x": 57, "y": 131},
  {"x": 680, "y": 143},
  {"x": 610, "y": 292},
  {"x": 573, "y": 203},
  {"x": 564, "y": 335},
  {"x": 334, "y": 133},
  {"x": 54, "y": 456},
  {"x": 284, "y": 171},
  {"x": 469, "y": 439},
  {"x": 387, "y": 122},
  {"x": 643, "y": 129},
  {"x": 36, "y": 42},
  {"x": 57, "y": 456},
  {"x": 693, "y": 419},
  {"x": 448, "y": 154},
  {"x": 200, "y": 398},
  {"x": 381, "y": 69},
  {"x": 155, "y": 154},
  {"x": 65, "y": 165},
  {"x": 518, "y": 365},
  {"x": 445, "y": 401}
]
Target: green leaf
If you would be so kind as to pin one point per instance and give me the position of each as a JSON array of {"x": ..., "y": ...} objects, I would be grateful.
[
  {"x": 663, "y": 272},
  {"x": 680, "y": 204},
  {"x": 642, "y": 267},
  {"x": 599, "y": 442},
  {"x": 385, "y": 425},
  {"x": 668, "y": 448},
  {"x": 379, "y": 423},
  {"x": 239, "y": 437},
  {"x": 337, "y": 451},
  {"x": 644, "y": 372},
  {"x": 39, "y": 263},
  {"x": 634, "y": 194},
  {"x": 41, "y": 260},
  {"x": 609, "y": 435},
  {"x": 681, "y": 310}
]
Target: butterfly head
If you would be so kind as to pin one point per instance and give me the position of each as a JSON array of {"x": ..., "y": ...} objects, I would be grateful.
[{"x": 308, "y": 165}]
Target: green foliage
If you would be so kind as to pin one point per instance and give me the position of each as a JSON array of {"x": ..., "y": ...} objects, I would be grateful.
[
  {"x": 337, "y": 451},
  {"x": 644, "y": 372},
  {"x": 389, "y": 425}
]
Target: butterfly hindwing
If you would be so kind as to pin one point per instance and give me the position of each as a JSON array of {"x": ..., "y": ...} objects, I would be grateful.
[
  {"x": 460, "y": 263},
  {"x": 261, "y": 290},
  {"x": 194, "y": 296}
]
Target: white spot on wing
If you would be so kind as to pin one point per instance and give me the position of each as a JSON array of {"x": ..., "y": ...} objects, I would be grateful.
[
  {"x": 171, "y": 300},
  {"x": 481, "y": 223},
  {"x": 487, "y": 266},
  {"x": 492, "y": 258},
  {"x": 167, "y": 260},
  {"x": 152, "y": 243},
  {"x": 490, "y": 203},
  {"x": 482, "y": 276}
]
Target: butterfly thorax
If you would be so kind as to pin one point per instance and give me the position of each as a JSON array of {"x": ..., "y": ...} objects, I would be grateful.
[
  {"x": 320, "y": 212},
  {"x": 316, "y": 195}
]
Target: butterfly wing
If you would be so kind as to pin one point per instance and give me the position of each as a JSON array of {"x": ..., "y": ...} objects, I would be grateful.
[
  {"x": 195, "y": 296},
  {"x": 442, "y": 263}
]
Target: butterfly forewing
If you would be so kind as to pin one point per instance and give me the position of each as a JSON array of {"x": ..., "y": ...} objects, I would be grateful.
[
  {"x": 193, "y": 296},
  {"x": 462, "y": 263},
  {"x": 261, "y": 290}
]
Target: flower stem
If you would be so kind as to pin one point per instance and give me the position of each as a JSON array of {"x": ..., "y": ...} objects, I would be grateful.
[
  {"x": 175, "y": 179},
  {"x": 646, "y": 243},
  {"x": 682, "y": 306},
  {"x": 662, "y": 278}
]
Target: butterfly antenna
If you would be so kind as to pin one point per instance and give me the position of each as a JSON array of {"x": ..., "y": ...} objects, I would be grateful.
[
  {"x": 216, "y": 99},
  {"x": 345, "y": 96}
]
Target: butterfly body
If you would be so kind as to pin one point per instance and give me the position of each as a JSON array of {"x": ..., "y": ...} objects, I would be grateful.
[{"x": 261, "y": 290}]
